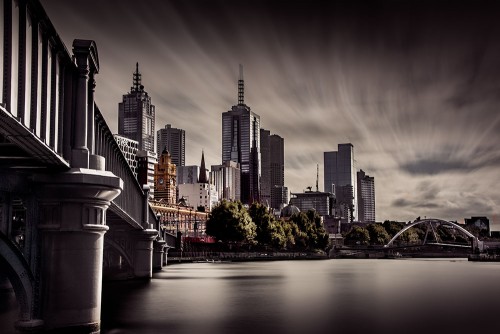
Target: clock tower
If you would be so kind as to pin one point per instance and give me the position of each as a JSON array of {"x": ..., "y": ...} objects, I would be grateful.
[{"x": 165, "y": 179}]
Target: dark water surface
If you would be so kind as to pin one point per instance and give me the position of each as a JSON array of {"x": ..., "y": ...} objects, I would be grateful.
[{"x": 330, "y": 296}]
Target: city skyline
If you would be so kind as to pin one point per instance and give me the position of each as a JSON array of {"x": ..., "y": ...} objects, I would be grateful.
[{"x": 413, "y": 86}]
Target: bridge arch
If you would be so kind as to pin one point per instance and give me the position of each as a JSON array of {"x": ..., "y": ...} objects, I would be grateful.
[
  {"x": 112, "y": 269},
  {"x": 437, "y": 221},
  {"x": 17, "y": 270}
]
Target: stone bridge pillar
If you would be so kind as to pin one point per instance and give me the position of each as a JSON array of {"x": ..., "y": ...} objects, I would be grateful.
[{"x": 72, "y": 226}]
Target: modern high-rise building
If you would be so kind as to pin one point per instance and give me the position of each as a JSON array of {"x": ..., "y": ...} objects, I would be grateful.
[
  {"x": 241, "y": 144},
  {"x": 226, "y": 178},
  {"x": 175, "y": 142},
  {"x": 187, "y": 174},
  {"x": 136, "y": 115},
  {"x": 366, "y": 197},
  {"x": 265, "y": 179},
  {"x": 272, "y": 150},
  {"x": 279, "y": 193},
  {"x": 340, "y": 180}
]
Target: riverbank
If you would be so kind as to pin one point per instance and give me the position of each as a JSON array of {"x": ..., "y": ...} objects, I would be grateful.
[{"x": 214, "y": 257}]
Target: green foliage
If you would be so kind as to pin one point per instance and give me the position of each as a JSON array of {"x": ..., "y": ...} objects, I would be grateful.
[
  {"x": 392, "y": 227},
  {"x": 309, "y": 233},
  {"x": 230, "y": 222},
  {"x": 357, "y": 236},
  {"x": 410, "y": 236},
  {"x": 378, "y": 234}
]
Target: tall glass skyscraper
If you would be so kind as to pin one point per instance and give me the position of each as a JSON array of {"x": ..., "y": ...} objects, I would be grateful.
[
  {"x": 340, "y": 179},
  {"x": 136, "y": 115},
  {"x": 241, "y": 143},
  {"x": 366, "y": 197},
  {"x": 175, "y": 141},
  {"x": 273, "y": 189}
]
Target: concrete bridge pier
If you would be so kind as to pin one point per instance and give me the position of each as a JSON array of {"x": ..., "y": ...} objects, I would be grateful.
[
  {"x": 143, "y": 253},
  {"x": 72, "y": 226},
  {"x": 158, "y": 254}
]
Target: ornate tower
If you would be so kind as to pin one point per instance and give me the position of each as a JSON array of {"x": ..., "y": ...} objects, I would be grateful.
[{"x": 165, "y": 179}]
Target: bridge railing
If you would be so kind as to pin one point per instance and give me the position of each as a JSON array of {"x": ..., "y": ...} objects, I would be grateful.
[
  {"x": 39, "y": 99},
  {"x": 36, "y": 73},
  {"x": 131, "y": 201}
]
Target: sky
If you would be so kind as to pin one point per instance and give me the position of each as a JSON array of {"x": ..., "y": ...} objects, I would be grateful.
[{"x": 413, "y": 85}]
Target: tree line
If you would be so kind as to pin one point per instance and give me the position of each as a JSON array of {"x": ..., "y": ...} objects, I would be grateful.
[
  {"x": 381, "y": 234},
  {"x": 233, "y": 224}
]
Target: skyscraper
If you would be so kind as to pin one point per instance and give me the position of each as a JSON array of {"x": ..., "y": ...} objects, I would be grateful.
[
  {"x": 226, "y": 178},
  {"x": 279, "y": 193},
  {"x": 241, "y": 143},
  {"x": 273, "y": 169},
  {"x": 340, "y": 179},
  {"x": 136, "y": 115},
  {"x": 175, "y": 142},
  {"x": 366, "y": 197},
  {"x": 265, "y": 179}
]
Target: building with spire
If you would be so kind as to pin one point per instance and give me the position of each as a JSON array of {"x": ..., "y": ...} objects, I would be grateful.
[
  {"x": 136, "y": 122},
  {"x": 175, "y": 142},
  {"x": 241, "y": 144},
  {"x": 165, "y": 179},
  {"x": 136, "y": 115},
  {"x": 201, "y": 195}
]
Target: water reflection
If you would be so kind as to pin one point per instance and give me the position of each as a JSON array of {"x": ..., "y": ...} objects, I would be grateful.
[{"x": 348, "y": 296}]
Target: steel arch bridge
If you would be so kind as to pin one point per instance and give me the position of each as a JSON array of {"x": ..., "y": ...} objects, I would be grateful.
[{"x": 431, "y": 227}]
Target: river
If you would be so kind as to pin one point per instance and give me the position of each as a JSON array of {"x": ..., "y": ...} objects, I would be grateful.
[
  {"x": 328, "y": 296},
  {"x": 323, "y": 296}
]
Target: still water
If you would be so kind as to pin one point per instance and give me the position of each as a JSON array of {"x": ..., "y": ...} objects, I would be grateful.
[{"x": 329, "y": 296}]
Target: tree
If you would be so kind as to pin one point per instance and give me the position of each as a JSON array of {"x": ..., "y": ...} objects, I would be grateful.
[
  {"x": 310, "y": 233},
  {"x": 392, "y": 227},
  {"x": 378, "y": 234},
  {"x": 230, "y": 222},
  {"x": 265, "y": 223},
  {"x": 357, "y": 236}
]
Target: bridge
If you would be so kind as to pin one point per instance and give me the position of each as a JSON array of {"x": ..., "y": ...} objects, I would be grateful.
[
  {"x": 71, "y": 210},
  {"x": 433, "y": 238}
]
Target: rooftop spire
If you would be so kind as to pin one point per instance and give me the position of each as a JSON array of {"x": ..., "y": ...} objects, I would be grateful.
[
  {"x": 241, "y": 87},
  {"x": 203, "y": 171},
  {"x": 137, "y": 79}
]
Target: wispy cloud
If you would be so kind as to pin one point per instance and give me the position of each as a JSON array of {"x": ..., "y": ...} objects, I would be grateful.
[{"x": 413, "y": 85}]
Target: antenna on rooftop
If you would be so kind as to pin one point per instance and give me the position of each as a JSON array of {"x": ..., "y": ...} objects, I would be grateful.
[
  {"x": 137, "y": 78},
  {"x": 317, "y": 177},
  {"x": 241, "y": 87}
]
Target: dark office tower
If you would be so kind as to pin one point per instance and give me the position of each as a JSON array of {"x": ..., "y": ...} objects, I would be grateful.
[
  {"x": 241, "y": 143},
  {"x": 136, "y": 115},
  {"x": 279, "y": 194},
  {"x": 273, "y": 169},
  {"x": 265, "y": 154},
  {"x": 175, "y": 142},
  {"x": 366, "y": 198},
  {"x": 340, "y": 179}
]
